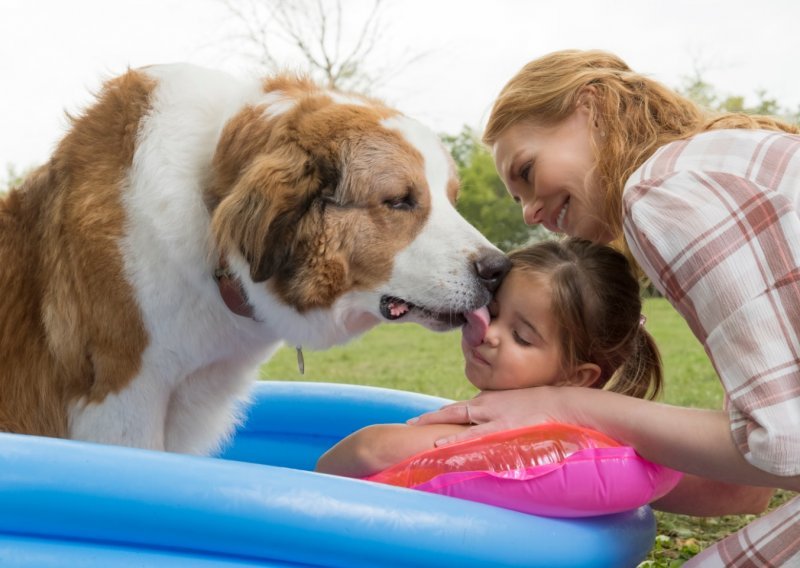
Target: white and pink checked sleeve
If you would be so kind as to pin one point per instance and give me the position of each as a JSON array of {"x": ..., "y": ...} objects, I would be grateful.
[{"x": 714, "y": 223}]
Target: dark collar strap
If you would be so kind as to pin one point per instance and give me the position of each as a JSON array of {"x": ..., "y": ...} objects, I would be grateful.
[{"x": 232, "y": 291}]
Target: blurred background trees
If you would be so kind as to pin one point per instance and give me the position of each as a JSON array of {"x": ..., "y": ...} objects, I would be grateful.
[
  {"x": 705, "y": 95},
  {"x": 12, "y": 177},
  {"x": 483, "y": 200}
]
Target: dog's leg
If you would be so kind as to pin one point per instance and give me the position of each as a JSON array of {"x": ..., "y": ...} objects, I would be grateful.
[
  {"x": 133, "y": 416},
  {"x": 206, "y": 407}
]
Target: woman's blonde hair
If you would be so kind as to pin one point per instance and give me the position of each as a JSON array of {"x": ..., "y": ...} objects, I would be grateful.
[
  {"x": 597, "y": 308},
  {"x": 634, "y": 115}
]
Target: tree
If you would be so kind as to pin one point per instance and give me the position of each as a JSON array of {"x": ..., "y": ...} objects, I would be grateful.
[
  {"x": 705, "y": 95},
  {"x": 336, "y": 49},
  {"x": 484, "y": 201},
  {"x": 12, "y": 178}
]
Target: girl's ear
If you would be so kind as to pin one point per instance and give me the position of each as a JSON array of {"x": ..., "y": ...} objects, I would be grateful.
[{"x": 584, "y": 375}]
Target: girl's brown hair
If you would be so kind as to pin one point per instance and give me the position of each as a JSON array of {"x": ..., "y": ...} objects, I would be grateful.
[
  {"x": 597, "y": 307},
  {"x": 634, "y": 114}
]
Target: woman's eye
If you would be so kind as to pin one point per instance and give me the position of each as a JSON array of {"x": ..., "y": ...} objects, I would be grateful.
[
  {"x": 492, "y": 307},
  {"x": 525, "y": 172},
  {"x": 522, "y": 341}
]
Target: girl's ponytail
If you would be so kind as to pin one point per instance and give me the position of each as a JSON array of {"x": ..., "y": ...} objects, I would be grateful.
[{"x": 640, "y": 374}]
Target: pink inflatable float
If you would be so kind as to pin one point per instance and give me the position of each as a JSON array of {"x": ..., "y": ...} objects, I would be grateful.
[{"x": 554, "y": 470}]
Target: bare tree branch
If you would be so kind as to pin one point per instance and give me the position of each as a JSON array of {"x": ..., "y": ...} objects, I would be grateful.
[
  {"x": 255, "y": 29},
  {"x": 316, "y": 32}
]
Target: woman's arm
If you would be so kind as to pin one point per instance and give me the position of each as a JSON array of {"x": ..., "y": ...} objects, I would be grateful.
[
  {"x": 694, "y": 441},
  {"x": 374, "y": 448},
  {"x": 703, "y": 497}
]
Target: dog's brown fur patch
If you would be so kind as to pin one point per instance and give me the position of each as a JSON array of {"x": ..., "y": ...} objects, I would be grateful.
[
  {"x": 304, "y": 195},
  {"x": 71, "y": 326}
]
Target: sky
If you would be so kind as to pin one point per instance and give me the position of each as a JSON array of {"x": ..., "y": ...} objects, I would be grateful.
[{"x": 55, "y": 53}]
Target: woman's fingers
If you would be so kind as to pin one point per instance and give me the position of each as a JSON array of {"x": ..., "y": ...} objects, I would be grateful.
[
  {"x": 462, "y": 412},
  {"x": 467, "y": 434},
  {"x": 455, "y": 413}
]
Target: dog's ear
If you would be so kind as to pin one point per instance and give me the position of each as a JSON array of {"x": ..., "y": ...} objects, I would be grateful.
[{"x": 261, "y": 213}]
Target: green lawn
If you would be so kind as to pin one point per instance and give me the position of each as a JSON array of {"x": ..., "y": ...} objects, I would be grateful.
[{"x": 407, "y": 357}]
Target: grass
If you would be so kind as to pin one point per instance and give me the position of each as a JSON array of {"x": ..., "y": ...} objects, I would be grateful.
[{"x": 407, "y": 357}]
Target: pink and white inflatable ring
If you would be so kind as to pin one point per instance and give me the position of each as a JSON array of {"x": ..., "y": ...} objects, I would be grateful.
[{"x": 553, "y": 470}]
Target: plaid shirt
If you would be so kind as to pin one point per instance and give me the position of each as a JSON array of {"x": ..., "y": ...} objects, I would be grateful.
[{"x": 714, "y": 221}]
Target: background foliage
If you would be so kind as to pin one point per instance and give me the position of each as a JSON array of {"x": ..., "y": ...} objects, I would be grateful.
[{"x": 484, "y": 201}]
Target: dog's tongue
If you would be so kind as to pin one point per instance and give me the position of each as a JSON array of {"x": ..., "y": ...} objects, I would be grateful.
[{"x": 475, "y": 328}]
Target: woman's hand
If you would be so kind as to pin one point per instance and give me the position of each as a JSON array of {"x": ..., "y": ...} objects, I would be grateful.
[{"x": 493, "y": 411}]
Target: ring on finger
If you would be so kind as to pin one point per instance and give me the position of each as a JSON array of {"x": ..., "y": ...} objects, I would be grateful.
[{"x": 469, "y": 415}]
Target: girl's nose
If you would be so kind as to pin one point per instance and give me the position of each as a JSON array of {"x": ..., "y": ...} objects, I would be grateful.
[{"x": 492, "y": 338}]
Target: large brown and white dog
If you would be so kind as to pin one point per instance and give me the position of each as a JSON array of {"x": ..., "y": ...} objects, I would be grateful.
[{"x": 188, "y": 223}]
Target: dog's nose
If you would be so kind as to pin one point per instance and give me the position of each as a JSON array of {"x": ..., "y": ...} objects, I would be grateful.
[{"x": 491, "y": 268}]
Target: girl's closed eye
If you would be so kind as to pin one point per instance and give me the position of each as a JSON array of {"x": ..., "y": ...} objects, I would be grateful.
[{"x": 520, "y": 339}]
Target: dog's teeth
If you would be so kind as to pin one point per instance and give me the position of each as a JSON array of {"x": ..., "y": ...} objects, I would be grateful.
[{"x": 398, "y": 309}]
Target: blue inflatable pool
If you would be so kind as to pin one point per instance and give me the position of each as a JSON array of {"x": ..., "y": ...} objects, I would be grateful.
[{"x": 68, "y": 504}]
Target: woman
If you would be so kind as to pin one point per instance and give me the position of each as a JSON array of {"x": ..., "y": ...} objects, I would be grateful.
[{"x": 708, "y": 209}]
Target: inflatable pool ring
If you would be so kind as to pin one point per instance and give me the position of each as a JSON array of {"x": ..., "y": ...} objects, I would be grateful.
[
  {"x": 554, "y": 470},
  {"x": 65, "y": 503}
]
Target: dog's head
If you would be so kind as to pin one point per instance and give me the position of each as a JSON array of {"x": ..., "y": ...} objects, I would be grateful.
[{"x": 342, "y": 210}]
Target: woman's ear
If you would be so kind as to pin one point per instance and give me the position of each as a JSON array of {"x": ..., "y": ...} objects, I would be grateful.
[
  {"x": 586, "y": 105},
  {"x": 584, "y": 375},
  {"x": 587, "y": 96}
]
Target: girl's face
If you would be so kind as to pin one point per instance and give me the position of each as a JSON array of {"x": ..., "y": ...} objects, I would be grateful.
[
  {"x": 549, "y": 171},
  {"x": 521, "y": 347}
]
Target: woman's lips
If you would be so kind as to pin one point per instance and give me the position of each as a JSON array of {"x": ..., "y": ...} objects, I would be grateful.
[
  {"x": 555, "y": 222},
  {"x": 562, "y": 214}
]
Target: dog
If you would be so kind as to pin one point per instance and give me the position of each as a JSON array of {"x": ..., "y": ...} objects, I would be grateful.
[{"x": 189, "y": 223}]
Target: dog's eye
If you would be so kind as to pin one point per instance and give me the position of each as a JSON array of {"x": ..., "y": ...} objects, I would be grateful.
[{"x": 403, "y": 203}]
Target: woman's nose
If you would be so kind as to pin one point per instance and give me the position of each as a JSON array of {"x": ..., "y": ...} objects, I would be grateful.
[{"x": 533, "y": 212}]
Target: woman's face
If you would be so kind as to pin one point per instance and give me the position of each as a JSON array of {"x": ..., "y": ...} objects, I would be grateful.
[{"x": 549, "y": 171}]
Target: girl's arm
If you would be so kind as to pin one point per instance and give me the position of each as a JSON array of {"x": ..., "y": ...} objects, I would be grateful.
[{"x": 379, "y": 446}]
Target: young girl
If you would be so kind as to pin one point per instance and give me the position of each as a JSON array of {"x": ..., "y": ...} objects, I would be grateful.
[
  {"x": 568, "y": 314},
  {"x": 707, "y": 206}
]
